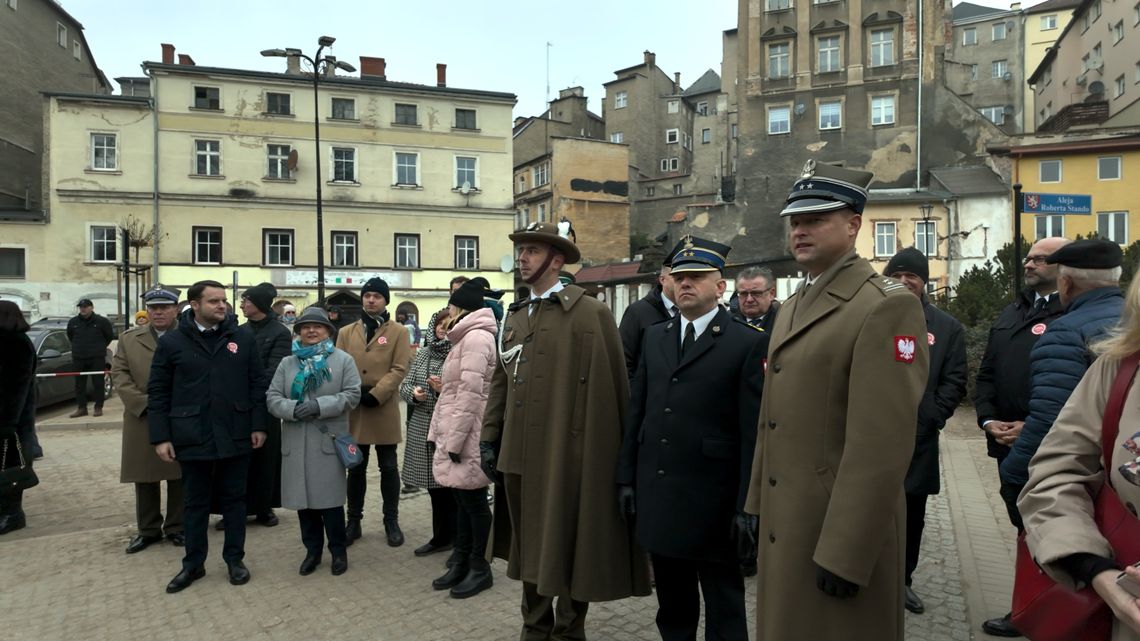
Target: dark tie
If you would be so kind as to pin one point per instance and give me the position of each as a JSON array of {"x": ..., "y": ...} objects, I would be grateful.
[
  {"x": 673, "y": 310},
  {"x": 1040, "y": 304},
  {"x": 690, "y": 338}
]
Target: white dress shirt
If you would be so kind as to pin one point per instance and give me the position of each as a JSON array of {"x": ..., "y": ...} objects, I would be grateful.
[{"x": 699, "y": 324}]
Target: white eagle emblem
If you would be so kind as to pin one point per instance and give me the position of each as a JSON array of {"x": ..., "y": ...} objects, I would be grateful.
[{"x": 905, "y": 349}]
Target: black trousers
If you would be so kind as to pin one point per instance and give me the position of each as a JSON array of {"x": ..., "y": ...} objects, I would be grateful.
[
  {"x": 543, "y": 620},
  {"x": 263, "y": 491},
  {"x": 472, "y": 523},
  {"x": 148, "y": 508},
  {"x": 89, "y": 365},
  {"x": 200, "y": 481},
  {"x": 316, "y": 524},
  {"x": 443, "y": 515},
  {"x": 915, "y": 523},
  {"x": 1009, "y": 495},
  {"x": 389, "y": 483},
  {"x": 679, "y": 600}
]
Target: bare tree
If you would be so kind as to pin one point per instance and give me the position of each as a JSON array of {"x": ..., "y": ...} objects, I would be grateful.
[{"x": 140, "y": 234}]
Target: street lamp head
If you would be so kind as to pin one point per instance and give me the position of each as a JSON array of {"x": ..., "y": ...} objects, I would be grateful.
[
  {"x": 326, "y": 41},
  {"x": 274, "y": 53},
  {"x": 925, "y": 208},
  {"x": 344, "y": 66}
]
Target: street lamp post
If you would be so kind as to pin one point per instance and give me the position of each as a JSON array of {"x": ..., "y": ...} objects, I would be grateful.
[
  {"x": 926, "y": 208},
  {"x": 318, "y": 64}
]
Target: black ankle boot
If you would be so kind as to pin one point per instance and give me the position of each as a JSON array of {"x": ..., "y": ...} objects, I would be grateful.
[
  {"x": 478, "y": 579},
  {"x": 452, "y": 577},
  {"x": 12, "y": 516}
]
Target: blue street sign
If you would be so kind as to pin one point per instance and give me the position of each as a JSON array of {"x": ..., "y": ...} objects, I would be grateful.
[{"x": 1057, "y": 204}]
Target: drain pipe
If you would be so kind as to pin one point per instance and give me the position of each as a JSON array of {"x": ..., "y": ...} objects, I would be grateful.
[
  {"x": 154, "y": 170},
  {"x": 921, "y": 72}
]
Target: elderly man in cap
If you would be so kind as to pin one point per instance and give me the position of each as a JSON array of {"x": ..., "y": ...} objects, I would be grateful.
[
  {"x": 687, "y": 453},
  {"x": 945, "y": 388},
  {"x": 382, "y": 352},
  {"x": 846, "y": 369},
  {"x": 653, "y": 308},
  {"x": 130, "y": 371},
  {"x": 1088, "y": 283},
  {"x": 89, "y": 334},
  {"x": 553, "y": 427}
]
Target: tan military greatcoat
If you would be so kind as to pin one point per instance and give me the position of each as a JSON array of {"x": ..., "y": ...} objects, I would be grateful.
[{"x": 130, "y": 372}]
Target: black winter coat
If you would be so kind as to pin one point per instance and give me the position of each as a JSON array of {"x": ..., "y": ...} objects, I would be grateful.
[
  {"x": 945, "y": 388},
  {"x": 1003, "y": 385},
  {"x": 206, "y": 396},
  {"x": 638, "y": 317},
  {"x": 89, "y": 336},
  {"x": 274, "y": 342},
  {"x": 769, "y": 318},
  {"x": 691, "y": 436},
  {"x": 17, "y": 380}
]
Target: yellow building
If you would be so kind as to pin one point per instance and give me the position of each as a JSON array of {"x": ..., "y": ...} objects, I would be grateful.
[
  {"x": 1101, "y": 165},
  {"x": 1043, "y": 24},
  {"x": 895, "y": 219},
  {"x": 416, "y": 186}
]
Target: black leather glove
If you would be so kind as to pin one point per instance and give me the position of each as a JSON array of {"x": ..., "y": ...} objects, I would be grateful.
[
  {"x": 306, "y": 409},
  {"x": 627, "y": 502},
  {"x": 834, "y": 585},
  {"x": 487, "y": 459},
  {"x": 366, "y": 399},
  {"x": 430, "y": 447},
  {"x": 745, "y": 534},
  {"x": 453, "y": 456}
]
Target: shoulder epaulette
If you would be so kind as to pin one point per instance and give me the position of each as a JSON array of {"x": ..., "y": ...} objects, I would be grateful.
[
  {"x": 746, "y": 324},
  {"x": 887, "y": 285}
]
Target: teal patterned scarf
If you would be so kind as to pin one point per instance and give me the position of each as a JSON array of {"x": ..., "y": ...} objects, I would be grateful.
[{"x": 313, "y": 367}]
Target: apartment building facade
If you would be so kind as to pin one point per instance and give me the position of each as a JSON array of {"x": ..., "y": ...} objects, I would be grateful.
[
  {"x": 1042, "y": 24},
  {"x": 985, "y": 65}
]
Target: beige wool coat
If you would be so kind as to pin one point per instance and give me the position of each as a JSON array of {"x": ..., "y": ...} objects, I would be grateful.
[
  {"x": 130, "y": 371},
  {"x": 1057, "y": 502},
  {"x": 835, "y": 438},
  {"x": 382, "y": 365},
  {"x": 557, "y": 409}
]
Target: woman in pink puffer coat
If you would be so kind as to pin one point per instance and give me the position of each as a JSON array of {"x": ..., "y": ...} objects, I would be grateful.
[{"x": 455, "y": 428}]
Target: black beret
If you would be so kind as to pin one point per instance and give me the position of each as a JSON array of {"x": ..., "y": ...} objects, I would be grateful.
[
  {"x": 910, "y": 260},
  {"x": 1092, "y": 253}
]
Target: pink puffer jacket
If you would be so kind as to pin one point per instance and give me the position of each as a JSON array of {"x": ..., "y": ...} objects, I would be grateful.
[{"x": 458, "y": 417}]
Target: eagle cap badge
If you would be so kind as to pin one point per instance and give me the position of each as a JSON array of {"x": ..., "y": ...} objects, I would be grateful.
[{"x": 809, "y": 169}]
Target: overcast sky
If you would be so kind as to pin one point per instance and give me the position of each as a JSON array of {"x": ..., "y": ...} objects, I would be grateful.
[{"x": 497, "y": 45}]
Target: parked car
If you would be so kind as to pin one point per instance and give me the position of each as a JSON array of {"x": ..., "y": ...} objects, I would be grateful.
[{"x": 53, "y": 354}]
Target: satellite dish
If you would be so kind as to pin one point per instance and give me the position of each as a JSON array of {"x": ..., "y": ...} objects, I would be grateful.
[
  {"x": 800, "y": 109},
  {"x": 1096, "y": 87},
  {"x": 507, "y": 264},
  {"x": 1007, "y": 76},
  {"x": 465, "y": 188},
  {"x": 292, "y": 163},
  {"x": 1007, "y": 110}
]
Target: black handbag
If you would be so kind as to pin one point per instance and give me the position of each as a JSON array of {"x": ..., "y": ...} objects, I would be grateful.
[
  {"x": 346, "y": 448},
  {"x": 19, "y": 476}
]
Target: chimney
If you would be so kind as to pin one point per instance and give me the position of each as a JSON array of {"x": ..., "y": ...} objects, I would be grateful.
[
  {"x": 441, "y": 75},
  {"x": 677, "y": 82},
  {"x": 571, "y": 92},
  {"x": 184, "y": 59},
  {"x": 167, "y": 54},
  {"x": 1015, "y": 6},
  {"x": 650, "y": 58},
  {"x": 372, "y": 68},
  {"x": 293, "y": 65}
]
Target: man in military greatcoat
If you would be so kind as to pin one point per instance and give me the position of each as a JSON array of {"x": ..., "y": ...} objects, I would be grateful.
[
  {"x": 945, "y": 388},
  {"x": 846, "y": 369},
  {"x": 553, "y": 428},
  {"x": 687, "y": 453},
  {"x": 130, "y": 371}
]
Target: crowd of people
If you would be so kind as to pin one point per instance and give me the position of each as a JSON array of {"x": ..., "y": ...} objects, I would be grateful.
[{"x": 795, "y": 442}]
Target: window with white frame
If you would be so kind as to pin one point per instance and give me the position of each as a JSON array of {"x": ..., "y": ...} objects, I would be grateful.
[
  {"x": 703, "y": 108},
  {"x": 466, "y": 252},
  {"x": 278, "y": 247},
  {"x": 343, "y": 109},
  {"x": 465, "y": 119},
  {"x": 1136, "y": 14},
  {"x": 969, "y": 36},
  {"x": 621, "y": 99},
  {"x": 998, "y": 68},
  {"x": 465, "y": 172},
  {"x": 76, "y": 50},
  {"x": 1113, "y": 225},
  {"x": 998, "y": 31},
  {"x": 407, "y": 168},
  {"x": 706, "y": 136},
  {"x": 827, "y": 58},
  {"x": 279, "y": 104},
  {"x": 1049, "y": 171},
  {"x": 882, "y": 110},
  {"x": 278, "y": 161},
  {"x": 12, "y": 4},
  {"x": 406, "y": 114},
  {"x": 670, "y": 164},
  {"x": 673, "y": 106},
  {"x": 541, "y": 213},
  {"x": 207, "y": 98},
  {"x": 344, "y": 164},
  {"x": 617, "y": 137},
  {"x": 207, "y": 245},
  {"x": 1108, "y": 168},
  {"x": 13, "y": 263},
  {"x": 344, "y": 249},
  {"x": 104, "y": 152},
  {"x": 1094, "y": 10},
  {"x": 779, "y": 60},
  {"x": 885, "y": 239},
  {"x": 1118, "y": 32},
  {"x": 1118, "y": 90},
  {"x": 831, "y": 115},
  {"x": 779, "y": 5},
  {"x": 61, "y": 35},
  {"x": 407, "y": 251},
  {"x": 522, "y": 183},
  {"x": 1050, "y": 226},
  {"x": 208, "y": 157},
  {"x": 926, "y": 237},
  {"x": 1048, "y": 22},
  {"x": 973, "y": 72},
  {"x": 541, "y": 174},
  {"x": 671, "y": 136},
  {"x": 779, "y": 120},
  {"x": 995, "y": 115},
  {"x": 882, "y": 47},
  {"x": 650, "y": 191},
  {"x": 104, "y": 244},
  {"x": 734, "y": 133}
]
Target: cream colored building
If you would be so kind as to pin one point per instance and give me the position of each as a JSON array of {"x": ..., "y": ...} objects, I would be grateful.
[
  {"x": 416, "y": 186},
  {"x": 1042, "y": 24}
]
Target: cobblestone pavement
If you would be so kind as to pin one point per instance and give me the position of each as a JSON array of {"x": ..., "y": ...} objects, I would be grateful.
[{"x": 66, "y": 577}]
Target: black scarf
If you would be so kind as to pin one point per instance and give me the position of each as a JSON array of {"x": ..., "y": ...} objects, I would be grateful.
[{"x": 372, "y": 324}]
